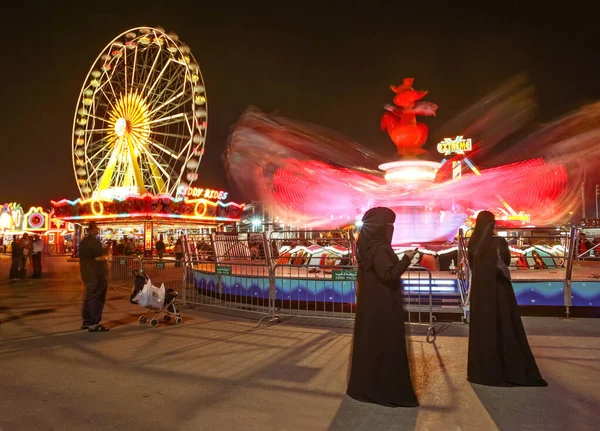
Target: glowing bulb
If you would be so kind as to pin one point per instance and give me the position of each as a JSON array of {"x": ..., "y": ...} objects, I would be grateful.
[{"x": 120, "y": 127}]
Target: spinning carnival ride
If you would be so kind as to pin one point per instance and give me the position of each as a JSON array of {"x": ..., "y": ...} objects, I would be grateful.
[
  {"x": 141, "y": 118},
  {"x": 323, "y": 180}
]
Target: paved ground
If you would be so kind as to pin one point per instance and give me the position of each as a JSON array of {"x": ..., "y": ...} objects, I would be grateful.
[{"x": 218, "y": 372}]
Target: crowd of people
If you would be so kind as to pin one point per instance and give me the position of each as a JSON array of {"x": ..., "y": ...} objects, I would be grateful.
[{"x": 26, "y": 251}]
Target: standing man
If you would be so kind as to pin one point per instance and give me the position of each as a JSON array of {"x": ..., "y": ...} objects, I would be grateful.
[
  {"x": 160, "y": 247},
  {"x": 36, "y": 256},
  {"x": 94, "y": 267}
]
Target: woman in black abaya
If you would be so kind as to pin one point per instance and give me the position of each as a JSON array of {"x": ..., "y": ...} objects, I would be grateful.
[
  {"x": 379, "y": 370},
  {"x": 499, "y": 354}
]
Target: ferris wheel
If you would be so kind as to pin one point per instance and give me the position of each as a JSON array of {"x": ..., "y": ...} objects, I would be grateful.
[{"x": 141, "y": 118}]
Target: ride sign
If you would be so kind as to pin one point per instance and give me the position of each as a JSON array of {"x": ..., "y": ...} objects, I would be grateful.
[
  {"x": 223, "y": 270},
  {"x": 196, "y": 192},
  {"x": 344, "y": 275},
  {"x": 457, "y": 145}
]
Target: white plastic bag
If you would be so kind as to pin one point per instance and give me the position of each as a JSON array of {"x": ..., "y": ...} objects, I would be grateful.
[{"x": 151, "y": 297}]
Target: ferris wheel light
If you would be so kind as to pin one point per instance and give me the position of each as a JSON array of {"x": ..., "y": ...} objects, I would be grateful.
[
  {"x": 130, "y": 35},
  {"x": 79, "y": 152},
  {"x": 89, "y": 92},
  {"x": 173, "y": 36},
  {"x": 96, "y": 73},
  {"x": 200, "y": 112},
  {"x": 199, "y": 89},
  {"x": 81, "y": 172},
  {"x": 88, "y": 102},
  {"x": 144, "y": 30},
  {"x": 79, "y": 132},
  {"x": 145, "y": 40},
  {"x": 185, "y": 49}
]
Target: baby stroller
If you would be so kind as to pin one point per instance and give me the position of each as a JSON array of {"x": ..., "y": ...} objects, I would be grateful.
[{"x": 155, "y": 299}]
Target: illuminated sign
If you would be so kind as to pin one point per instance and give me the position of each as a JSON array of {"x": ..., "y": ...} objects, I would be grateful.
[
  {"x": 148, "y": 236},
  {"x": 36, "y": 219},
  {"x": 457, "y": 145},
  {"x": 195, "y": 192}
]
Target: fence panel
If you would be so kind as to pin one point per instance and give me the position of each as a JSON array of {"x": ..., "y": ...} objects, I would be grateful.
[
  {"x": 120, "y": 271},
  {"x": 315, "y": 290},
  {"x": 242, "y": 286},
  {"x": 167, "y": 271}
]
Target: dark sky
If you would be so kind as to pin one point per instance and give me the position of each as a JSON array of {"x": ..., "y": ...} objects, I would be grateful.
[{"x": 329, "y": 63}]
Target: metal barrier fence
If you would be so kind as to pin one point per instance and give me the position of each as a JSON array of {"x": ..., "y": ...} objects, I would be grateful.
[
  {"x": 169, "y": 272},
  {"x": 241, "y": 286},
  {"x": 313, "y": 274}
]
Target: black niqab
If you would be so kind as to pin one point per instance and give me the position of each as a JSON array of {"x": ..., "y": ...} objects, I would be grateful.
[
  {"x": 499, "y": 353},
  {"x": 379, "y": 369}
]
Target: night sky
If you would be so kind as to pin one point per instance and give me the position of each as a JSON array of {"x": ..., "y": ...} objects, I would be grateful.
[{"x": 327, "y": 64}]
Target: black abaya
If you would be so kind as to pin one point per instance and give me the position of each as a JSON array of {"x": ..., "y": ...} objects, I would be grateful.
[
  {"x": 379, "y": 371},
  {"x": 499, "y": 353}
]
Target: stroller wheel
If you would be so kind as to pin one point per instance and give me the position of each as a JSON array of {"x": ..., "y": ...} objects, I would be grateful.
[
  {"x": 142, "y": 320},
  {"x": 178, "y": 320},
  {"x": 167, "y": 318},
  {"x": 154, "y": 323}
]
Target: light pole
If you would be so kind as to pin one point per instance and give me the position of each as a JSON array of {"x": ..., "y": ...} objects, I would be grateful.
[{"x": 597, "y": 194}]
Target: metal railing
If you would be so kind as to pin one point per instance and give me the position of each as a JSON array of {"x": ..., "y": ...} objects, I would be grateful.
[{"x": 313, "y": 274}]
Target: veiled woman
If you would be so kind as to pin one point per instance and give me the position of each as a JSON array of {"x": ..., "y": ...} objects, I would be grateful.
[
  {"x": 379, "y": 369},
  {"x": 499, "y": 354}
]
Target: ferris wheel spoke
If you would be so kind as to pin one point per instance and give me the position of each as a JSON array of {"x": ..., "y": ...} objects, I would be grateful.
[
  {"x": 97, "y": 165},
  {"x": 151, "y": 70},
  {"x": 171, "y": 135},
  {"x": 169, "y": 84},
  {"x": 185, "y": 148},
  {"x": 172, "y": 99},
  {"x": 92, "y": 131},
  {"x": 163, "y": 149},
  {"x": 179, "y": 116},
  {"x": 159, "y": 77},
  {"x": 176, "y": 107},
  {"x": 134, "y": 65},
  {"x": 155, "y": 162}
]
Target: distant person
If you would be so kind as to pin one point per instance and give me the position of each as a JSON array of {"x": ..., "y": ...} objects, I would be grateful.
[
  {"x": 379, "y": 369},
  {"x": 160, "y": 247},
  {"x": 36, "y": 256},
  {"x": 499, "y": 353},
  {"x": 178, "y": 252},
  {"x": 129, "y": 247},
  {"x": 17, "y": 259},
  {"x": 26, "y": 246},
  {"x": 93, "y": 267}
]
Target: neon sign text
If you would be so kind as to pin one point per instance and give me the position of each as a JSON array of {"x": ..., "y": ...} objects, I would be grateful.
[
  {"x": 195, "y": 192},
  {"x": 457, "y": 145}
]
